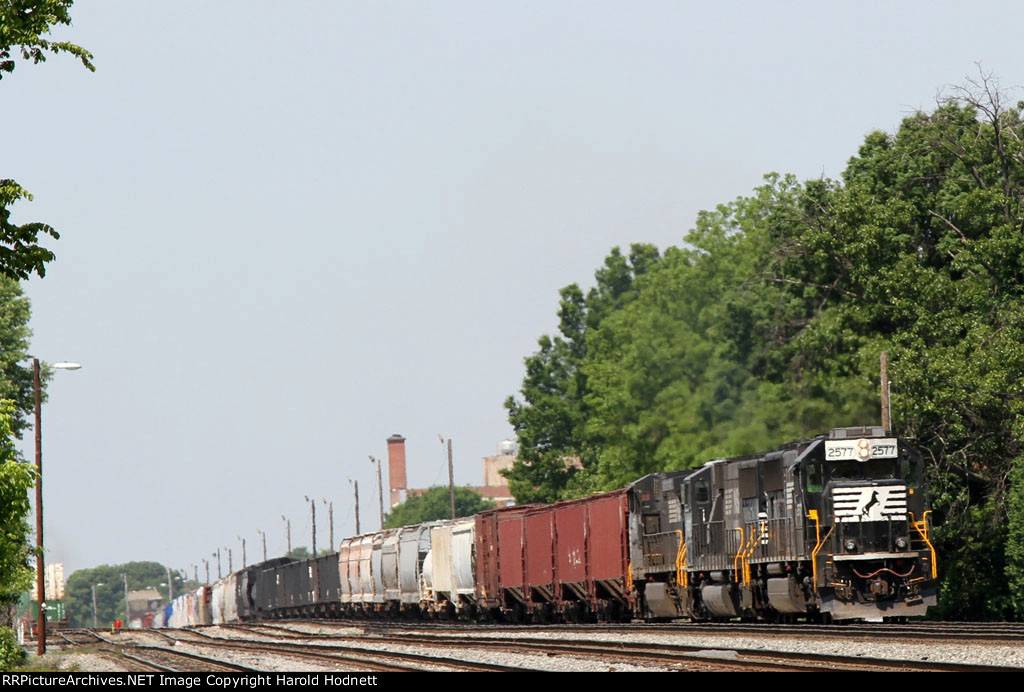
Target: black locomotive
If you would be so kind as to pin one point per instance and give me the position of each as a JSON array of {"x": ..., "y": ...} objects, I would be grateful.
[{"x": 835, "y": 527}]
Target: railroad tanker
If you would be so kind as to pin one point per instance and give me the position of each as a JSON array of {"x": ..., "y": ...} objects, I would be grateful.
[{"x": 835, "y": 527}]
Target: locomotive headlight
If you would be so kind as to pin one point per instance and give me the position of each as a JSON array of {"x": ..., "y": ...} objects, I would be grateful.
[
  {"x": 850, "y": 545},
  {"x": 863, "y": 449},
  {"x": 901, "y": 543}
]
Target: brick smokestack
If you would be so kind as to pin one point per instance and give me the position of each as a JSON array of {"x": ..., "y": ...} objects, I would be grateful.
[{"x": 396, "y": 469}]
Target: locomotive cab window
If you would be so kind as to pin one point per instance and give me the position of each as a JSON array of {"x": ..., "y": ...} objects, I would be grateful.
[
  {"x": 700, "y": 491},
  {"x": 812, "y": 477},
  {"x": 911, "y": 471}
]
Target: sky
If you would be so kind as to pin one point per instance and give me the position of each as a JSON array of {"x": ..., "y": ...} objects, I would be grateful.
[{"x": 290, "y": 230}]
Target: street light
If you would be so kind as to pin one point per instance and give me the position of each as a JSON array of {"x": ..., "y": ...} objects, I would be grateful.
[
  {"x": 451, "y": 474},
  {"x": 380, "y": 489},
  {"x": 95, "y": 624},
  {"x": 312, "y": 506},
  {"x": 355, "y": 489},
  {"x": 40, "y": 566},
  {"x": 264, "y": 537},
  {"x": 330, "y": 514}
]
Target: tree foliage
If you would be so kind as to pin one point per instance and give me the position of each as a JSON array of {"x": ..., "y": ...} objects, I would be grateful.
[
  {"x": 24, "y": 27},
  {"x": 110, "y": 597},
  {"x": 550, "y": 420},
  {"x": 303, "y": 553},
  {"x": 434, "y": 504},
  {"x": 766, "y": 326},
  {"x": 16, "y": 478},
  {"x": 16, "y": 377},
  {"x": 21, "y": 255}
]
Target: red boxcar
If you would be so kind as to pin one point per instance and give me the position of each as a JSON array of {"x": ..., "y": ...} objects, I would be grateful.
[{"x": 570, "y": 558}]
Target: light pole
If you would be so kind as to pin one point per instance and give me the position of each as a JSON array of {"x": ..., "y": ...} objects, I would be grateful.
[
  {"x": 94, "y": 619},
  {"x": 312, "y": 507},
  {"x": 355, "y": 489},
  {"x": 127, "y": 609},
  {"x": 264, "y": 537},
  {"x": 380, "y": 490},
  {"x": 330, "y": 514},
  {"x": 40, "y": 566},
  {"x": 451, "y": 475},
  {"x": 243, "y": 550},
  {"x": 288, "y": 532}
]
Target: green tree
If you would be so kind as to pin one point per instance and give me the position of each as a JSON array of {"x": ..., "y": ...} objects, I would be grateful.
[
  {"x": 434, "y": 504},
  {"x": 110, "y": 597},
  {"x": 302, "y": 553},
  {"x": 24, "y": 28},
  {"x": 16, "y": 479},
  {"x": 549, "y": 421},
  {"x": 15, "y": 372}
]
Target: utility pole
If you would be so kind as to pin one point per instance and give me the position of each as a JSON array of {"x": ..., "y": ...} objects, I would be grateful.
[
  {"x": 207, "y": 564},
  {"x": 312, "y": 507},
  {"x": 40, "y": 568},
  {"x": 451, "y": 475},
  {"x": 886, "y": 410},
  {"x": 380, "y": 490},
  {"x": 170, "y": 586},
  {"x": 40, "y": 561},
  {"x": 330, "y": 515},
  {"x": 288, "y": 533},
  {"x": 127, "y": 613},
  {"x": 451, "y": 478},
  {"x": 264, "y": 537},
  {"x": 94, "y": 620},
  {"x": 356, "y": 486}
]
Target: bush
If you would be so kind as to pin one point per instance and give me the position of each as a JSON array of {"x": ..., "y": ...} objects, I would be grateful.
[{"x": 11, "y": 654}]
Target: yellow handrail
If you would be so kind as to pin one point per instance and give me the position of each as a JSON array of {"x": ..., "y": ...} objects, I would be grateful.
[
  {"x": 739, "y": 552},
  {"x": 682, "y": 577},
  {"x": 922, "y": 528},
  {"x": 819, "y": 542},
  {"x": 749, "y": 552}
]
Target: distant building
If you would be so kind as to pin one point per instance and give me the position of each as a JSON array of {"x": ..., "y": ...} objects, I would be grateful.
[
  {"x": 495, "y": 487},
  {"x": 53, "y": 583},
  {"x": 141, "y": 607}
]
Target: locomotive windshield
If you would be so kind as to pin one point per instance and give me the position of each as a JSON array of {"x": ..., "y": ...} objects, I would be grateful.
[
  {"x": 857, "y": 470},
  {"x": 815, "y": 476}
]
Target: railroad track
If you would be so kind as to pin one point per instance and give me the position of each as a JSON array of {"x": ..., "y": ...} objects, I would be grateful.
[
  {"x": 140, "y": 658},
  {"x": 663, "y": 655},
  {"x": 385, "y": 646},
  {"x": 364, "y": 655},
  {"x": 1001, "y": 632}
]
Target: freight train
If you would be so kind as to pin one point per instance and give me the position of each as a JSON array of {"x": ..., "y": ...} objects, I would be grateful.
[{"x": 836, "y": 527}]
